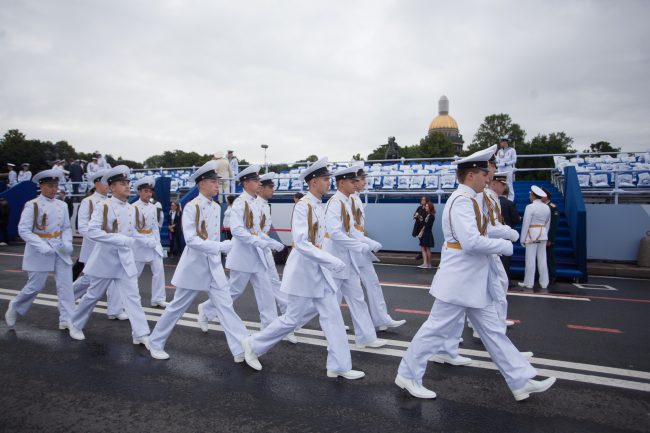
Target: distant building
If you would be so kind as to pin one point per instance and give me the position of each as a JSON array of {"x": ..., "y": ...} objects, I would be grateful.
[{"x": 447, "y": 125}]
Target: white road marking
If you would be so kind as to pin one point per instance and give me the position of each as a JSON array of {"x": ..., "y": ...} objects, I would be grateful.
[
  {"x": 397, "y": 348},
  {"x": 594, "y": 287}
]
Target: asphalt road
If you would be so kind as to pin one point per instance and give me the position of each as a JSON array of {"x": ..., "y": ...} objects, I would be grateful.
[{"x": 594, "y": 339}]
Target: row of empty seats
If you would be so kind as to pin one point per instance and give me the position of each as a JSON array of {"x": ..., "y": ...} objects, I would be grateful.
[{"x": 629, "y": 170}]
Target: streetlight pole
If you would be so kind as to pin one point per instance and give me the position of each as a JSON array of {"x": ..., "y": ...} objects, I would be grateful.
[{"x": 266, "y": 167}]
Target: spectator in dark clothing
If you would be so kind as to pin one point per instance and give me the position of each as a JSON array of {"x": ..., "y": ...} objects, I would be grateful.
[
  {"x": 418, "y": 217},
  {"x": 426, "y": 235},
  {"x": 175, "y": 230},
  {"x": 5, "y": 211},
  {"x": 508, "y": 212},
  {"x": 76, "y": 176}
]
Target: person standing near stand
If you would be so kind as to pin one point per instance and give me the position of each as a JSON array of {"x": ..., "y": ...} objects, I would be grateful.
[
  {"x": 506, "y": 159},
  {"x": 12, "y": 176},
  {"x": 534, "y": 234},
  {"x": 24, "y": 174},
  {"x": 552, "y": 233},
  {"x": 234, "y": 167},
  {"x": 426, "y": 235}
]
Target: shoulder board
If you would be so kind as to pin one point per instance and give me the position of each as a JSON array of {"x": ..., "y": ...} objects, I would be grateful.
[{"x": 551, "y": 204}]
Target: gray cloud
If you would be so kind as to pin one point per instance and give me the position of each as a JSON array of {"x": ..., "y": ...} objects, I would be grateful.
[{"x": 137, "y": 78}]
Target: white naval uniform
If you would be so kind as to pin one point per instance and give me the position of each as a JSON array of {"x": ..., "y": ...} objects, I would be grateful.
[
  {"x": 234, "y": 166},
  {"x": 461, "y": 287},
  {"x": 111, "y": 262},
  {"x": 13, "y": 178},
  {"x": 534, "y": 235},
  {"x": 274, "y": 277},
  {"x": 81, "y": 284},
  {"x": 47, "y": 249},
  {"x": 92, "y": 167},
  {"x": 24, "y": 175},
  {"x": 310, "y": 287},
  {"x": 247, "y": 260},
  {"x": 341, "y": 244},
  {"x": 200, "y": 270},
  {"x": 148, "y": 226},
  {"x": 369, "y": 278},
  {"x": 506, "y": 160}
]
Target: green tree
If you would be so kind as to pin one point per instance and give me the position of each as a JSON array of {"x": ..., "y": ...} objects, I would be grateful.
[
  {"x": 492, "y": 129},
  {"x": 602, "y": 146},
  {"x": 176, "y": 158},
  {"x": 555, "y": 142},
  {"x": 434, "y": 145}
]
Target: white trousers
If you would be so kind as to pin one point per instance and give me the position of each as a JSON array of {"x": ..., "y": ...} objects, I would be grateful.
[
  {"x": 220, "y": 297},
  {"x": 263, "y": 295},
  {"x": 364, "y": 330},
  {"x": 509, "y": 180},
  {"x": 36, "y": 283},
  {"x": 331, "y": 322},
  {"x": 130, "y": 294},
  {"x": 113, "y": 298},
  {"x": 376, "y": 301},
  {"x": 536, "y": 251},
  {"x": 442, "y": 324},
  {"x": 281, "y": 298},
  {"x": 158, "y": 294}
]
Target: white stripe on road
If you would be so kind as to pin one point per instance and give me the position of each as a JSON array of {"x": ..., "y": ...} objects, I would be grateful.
[{"x": 316, "y": 337}]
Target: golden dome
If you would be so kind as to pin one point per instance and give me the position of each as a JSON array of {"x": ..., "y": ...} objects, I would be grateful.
[{"x": 443, "y": 121}]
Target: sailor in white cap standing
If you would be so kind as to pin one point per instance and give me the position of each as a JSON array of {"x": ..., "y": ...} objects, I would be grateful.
[
  {"x": 111, "y": 262},
  {"x": 506, "y": 159},
  {"x": 247, "y": 260},
  {"x": 45, "y": 227},
  {"x": 115, "y": 311},
  {"x": 376, "y": 302},
  {"x": 12, "y": 176},
  {"x": 234, "y": 167},
  {"x": 341, "y": 243},
  {"x": 146, "y": 223},
  {"x": 534, "y": 234},
  {"x": 308, "y": 282},
  {"x": 93, "y": 166},
  {"x": 461, "y": 287},
  {"x": 200, "y": 268},
  {"x": 24, "y": 174}
]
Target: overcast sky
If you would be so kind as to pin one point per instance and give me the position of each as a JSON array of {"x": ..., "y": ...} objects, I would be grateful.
[{"x": 135, "y": 78}]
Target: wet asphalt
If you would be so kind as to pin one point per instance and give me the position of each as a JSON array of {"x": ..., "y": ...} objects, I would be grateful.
[{"x": 50, "y": 382}]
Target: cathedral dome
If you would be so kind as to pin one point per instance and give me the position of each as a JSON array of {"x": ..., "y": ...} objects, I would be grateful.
[{"x": 443, "y": 121}]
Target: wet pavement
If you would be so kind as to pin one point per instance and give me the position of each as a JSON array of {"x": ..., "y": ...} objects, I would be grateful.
[{"x": 593, "y": 338}]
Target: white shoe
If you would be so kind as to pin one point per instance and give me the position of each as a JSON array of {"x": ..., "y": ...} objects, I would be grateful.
[
  {"x": 533, "y": 386},
  {"x": 64, "y": 325},
  {"x": 144, "y": 340},
  {"x": 202, "y": 319},
  {"x": 350, "y": 374},
  {"x": 3, "y": 244},
  {"x": 415, "y": 389},
  {"x": 121, "y": 316},
  {"x": 461, "y": 340},
  {"x": 391, "y": 324},
  {"x": 475, "y": 334},
  {"x": 291, "y": 338},
  {"x": 163, "y": 304},
  {"x": 527, "y": 355},
  {"x": 509, "y": 323},
  {"x": 443, "y": 358},
  {"x": 520, "y": 284},
  {"x": 373, "y": 344},
  {"x": 75, "y": 333},
  {"x": 239, "y": 358},
  {"x": 11, "y": 316},
  {"x": 347, "y": 328},
  {"x": 249, "y": 356},
  {"x": 423, "y": 266},
  {"x": 158, "y": 354}
]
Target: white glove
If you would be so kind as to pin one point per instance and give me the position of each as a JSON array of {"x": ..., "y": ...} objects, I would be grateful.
[
  {"x": 225, "y": 246},
  {"x": 277, "y": 246},
  {"x": 65, "y": 248},
  {"x": 376, "y": 247},
  {"x": 338, "y": 266},
  {"x": 151, "y": 243},
  {"x": 507, "y": 248},
  {"x": 514, "y": 235},
  {"x": 129, "y": 242},
  {"x": 261, "y": 243},
  {"x": 45, "y": 249},
  {"x": 365, "y": 248}
]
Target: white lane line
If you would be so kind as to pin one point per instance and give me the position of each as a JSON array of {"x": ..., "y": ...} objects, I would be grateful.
[
  {"x": 44, "y": 299},
  {"x": 618, "y": 278},
  {"x": 595, "y": 287}
]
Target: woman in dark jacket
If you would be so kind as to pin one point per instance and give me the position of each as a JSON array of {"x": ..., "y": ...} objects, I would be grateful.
[
  {"x": 175, "y": 230},
  {"x": 418, "y": 216},
  {"x": 426, "y": 235}
]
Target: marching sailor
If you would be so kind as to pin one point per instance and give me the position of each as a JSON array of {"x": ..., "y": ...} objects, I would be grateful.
[
  {"x": 115, "y": 311},
  {"x": 45, "y": 227},
  {"x": 146, "y": 223},
  {"x": 247, "y": 260},
  {"x": 200, "y": 268},
  {"x": 534, "y": 234},
  {"x": 340, "y": 242},
  {"x": 111, "y": 262},
  {"x": 308, "y": 283},
  {"x": 506, "y": 160},
  {"x": 461, "y": 287},
  {"x": 376, "y": 303}
]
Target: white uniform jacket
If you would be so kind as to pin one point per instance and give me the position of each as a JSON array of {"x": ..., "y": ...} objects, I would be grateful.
[
  {"x": 200, "y": 262},
  {"x": 85, "y": 212},
  {"x": 147, "y": 225},
  {"x": 488, "y": 201},
  {"x": 506, "y": 158},
  {"x": 12, "y": 178},
  {"x": 24, "y": 175},
  {"x": 112, "y": 227},
  {"x": 265, "y": 227},
  {"x": 247, "y": 254},
  {"x": 358, "y": 231},
  {"x": 462, "y": 276},
  {"x": 45, "y": 227},
  {"x": 307, "y": 272},
  {"x": 537, "y": 219}
]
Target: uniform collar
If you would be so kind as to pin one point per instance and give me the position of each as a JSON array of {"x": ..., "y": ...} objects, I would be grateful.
[
  {"x": 118, "y": 201},
  {"x": 313, "y": 198},
  {"x": 144, "y": 203},
  {"x": 342, "y": 196},
  {"x": 246, "y": 196},
  {"x": 262, "y": 199},
  {"x": 49, "y": 200},
  {"x": 466, "y": 190},
  {"x": 203, "y": 198},
  {"x": 100, "y": 196}
]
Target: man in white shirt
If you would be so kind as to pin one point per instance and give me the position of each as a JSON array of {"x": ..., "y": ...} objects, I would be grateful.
[
  {"x": 93, "y": 166},
  {"x": 506, "y": 159},
  {"x": 534, "y": 235},
  {"x": 24, "y": 174},
  {"x": 234, "y": 167},
  {"x": 12, "y": 176}
]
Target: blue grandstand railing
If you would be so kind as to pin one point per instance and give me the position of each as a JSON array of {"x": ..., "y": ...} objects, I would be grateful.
[
  {"x": 17, "y": 196},
  {"x": 576, "y": 213}
]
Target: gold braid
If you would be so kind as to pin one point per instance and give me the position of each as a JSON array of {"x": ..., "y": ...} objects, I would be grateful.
[
  {"x": 488, "y": 203},
  {"x": 345, "y": 217},
  {"x": 139, "y": 224},
  {"x": 43, "y": 224},
  {"x": 105, "y": 221},
  {"x": 248, "y": 216},
  {"x": 91, "y": 207},
  {"x": 203, "y": 232}
]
